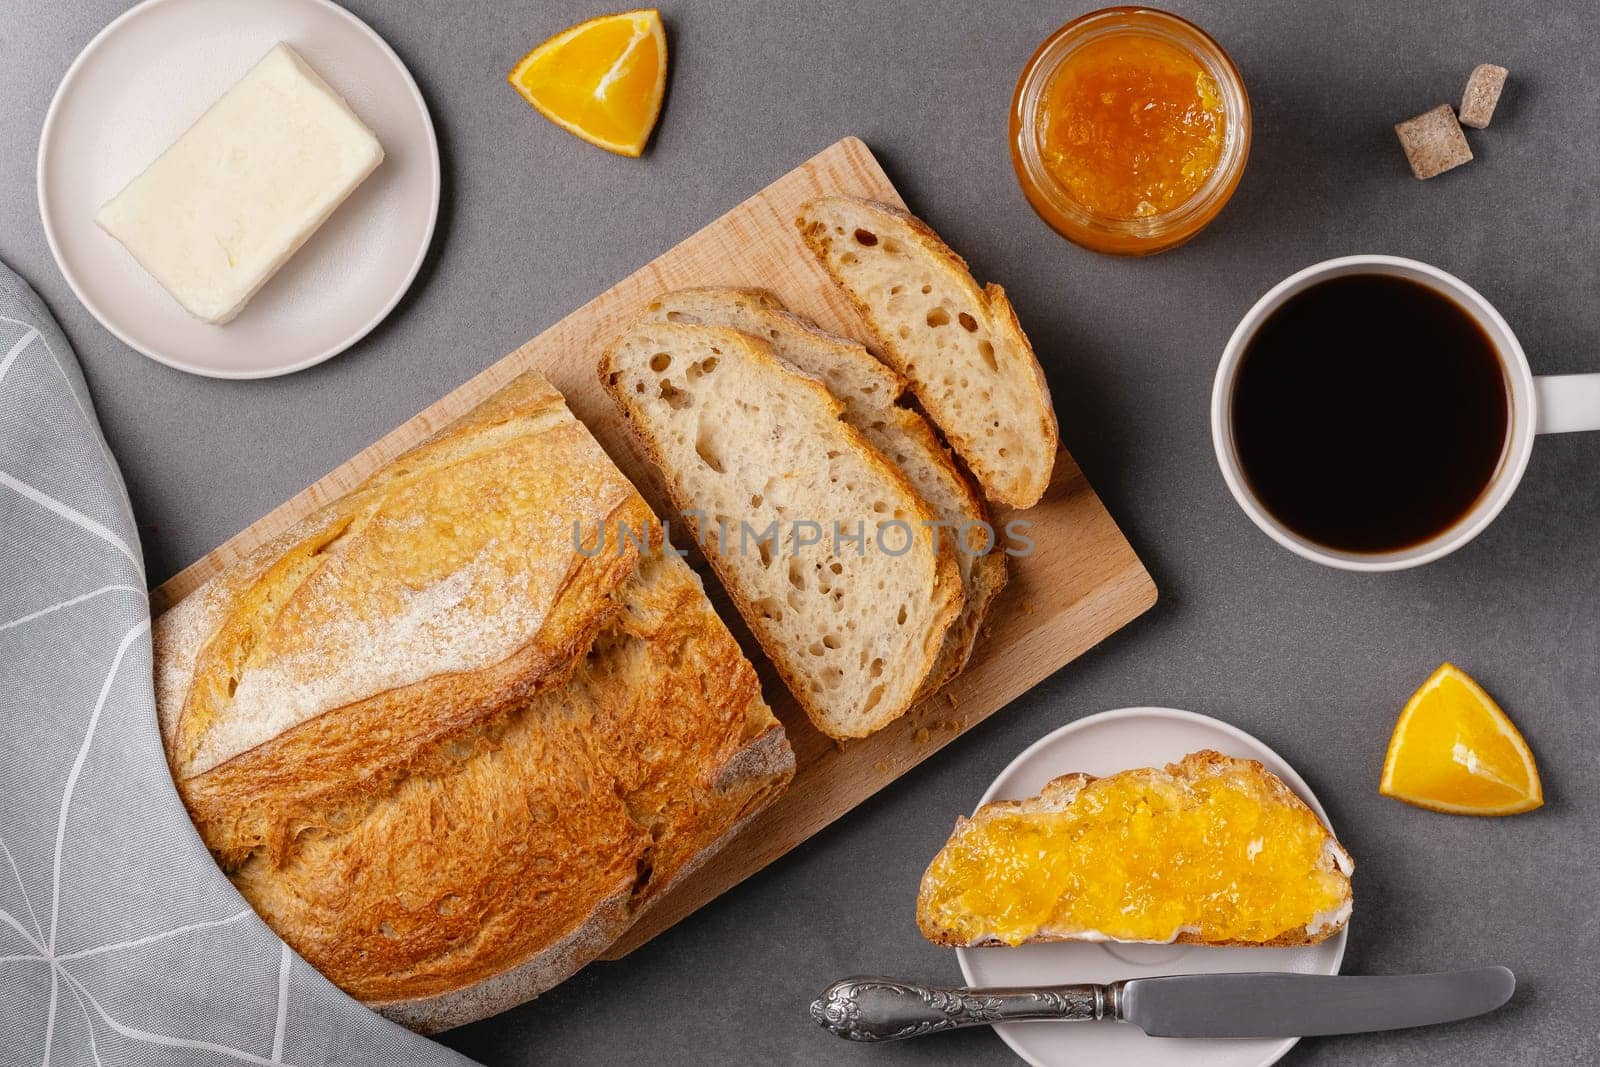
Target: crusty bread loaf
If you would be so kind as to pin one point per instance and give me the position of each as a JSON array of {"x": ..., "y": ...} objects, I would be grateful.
[
  {"x": 960, "y": 346},
  {"x": 871, "y": 394},
  {"x": 755, "y": 447},
  {"x": 1241, "y": 861},
  {"x": 445, "y": 753}
]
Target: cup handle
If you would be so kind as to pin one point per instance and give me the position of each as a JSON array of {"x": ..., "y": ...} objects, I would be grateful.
[{"x": 1567, "y": 402}]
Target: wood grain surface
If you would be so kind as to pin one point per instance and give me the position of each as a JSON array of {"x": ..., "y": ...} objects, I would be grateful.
[{"x": 1081, "y": 582}]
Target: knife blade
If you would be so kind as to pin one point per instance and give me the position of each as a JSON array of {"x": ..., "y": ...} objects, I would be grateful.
[
  {"x": 1259, "y": 1004},
  {"x": 1304, "y": 1005}
]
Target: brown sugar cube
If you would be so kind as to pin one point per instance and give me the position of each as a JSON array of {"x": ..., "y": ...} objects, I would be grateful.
[
  {"x": 1483, "y": 93},
  {"x": 1433, "y": 142}
]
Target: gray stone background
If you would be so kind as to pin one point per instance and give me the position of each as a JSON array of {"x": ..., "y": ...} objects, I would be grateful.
[{"x": 1315, "y": 662}]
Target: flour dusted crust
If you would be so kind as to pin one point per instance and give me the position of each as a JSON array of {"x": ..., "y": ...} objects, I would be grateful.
[
  {"x": 1058, "y": 795},
  {"x": 447, "y": 840}
]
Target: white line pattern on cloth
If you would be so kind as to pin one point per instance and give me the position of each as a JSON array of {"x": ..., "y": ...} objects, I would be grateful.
[
  {"x": 139, "y": 942},
  {"x": 11, "y": 921},
  {"x": 29, "y": 336},
  {"x": 24, "y": 891},
  {"x": 75, "y": 601},
  {"x": 61, "y": 369},
  {"x": 77, "y": 768},
  {"x": 164, "y": 1039},
  {"x": 283, "y": 1002},
  {"x": 72, "y": 515},
  {"x": 61, "y": 829}
]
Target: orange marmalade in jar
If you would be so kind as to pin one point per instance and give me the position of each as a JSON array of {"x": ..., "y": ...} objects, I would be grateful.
[{"x": 1129, "y": 130}]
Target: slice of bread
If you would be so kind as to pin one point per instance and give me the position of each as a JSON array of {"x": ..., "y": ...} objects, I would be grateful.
[
  {"x": 871, "y": 393},
  {"x": 752, "y": 446},
  {"x": 1210, "y": 850},
  {"x": 960, "y": 346}
]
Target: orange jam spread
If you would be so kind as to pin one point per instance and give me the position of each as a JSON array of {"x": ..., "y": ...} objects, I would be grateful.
[
  {"x": 1131, "y": 126},
  {"x": 1137, "y": 857}
]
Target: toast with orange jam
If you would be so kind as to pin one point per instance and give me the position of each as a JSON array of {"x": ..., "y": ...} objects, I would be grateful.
[{"x": 1210, "y": 850}]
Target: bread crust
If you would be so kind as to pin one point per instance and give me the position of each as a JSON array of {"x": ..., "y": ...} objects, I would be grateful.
[
  {"x": 449, "y": 847},
  {"x": 1059, "y": 793},
  {"x": 1019, "y": 488}
]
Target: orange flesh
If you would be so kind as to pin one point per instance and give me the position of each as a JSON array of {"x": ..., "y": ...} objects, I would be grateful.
[
  {"x": 1131, "y": 126},
  {"x": 1454, "y": 750},
  {"x": 601, "y": 80},
  {"x": 1139, "y": 860}
]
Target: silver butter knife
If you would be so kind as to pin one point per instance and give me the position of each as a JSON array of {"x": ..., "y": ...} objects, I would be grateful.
[{"x": 1266, "y": 1004}]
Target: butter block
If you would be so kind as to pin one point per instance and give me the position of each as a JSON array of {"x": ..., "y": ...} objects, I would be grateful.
[{"x": 216, "y": 216}]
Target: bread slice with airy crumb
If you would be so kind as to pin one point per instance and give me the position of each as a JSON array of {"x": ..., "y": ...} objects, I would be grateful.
[
  {"x": 960, "y": 346},
  {"x": 1211, "y": 850},
  {"x": 871, "y": 394},
  {"x": 782, "y": 487}
]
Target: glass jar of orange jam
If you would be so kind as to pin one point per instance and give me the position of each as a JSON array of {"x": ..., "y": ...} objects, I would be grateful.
[{"x": 1129, "y": 130}]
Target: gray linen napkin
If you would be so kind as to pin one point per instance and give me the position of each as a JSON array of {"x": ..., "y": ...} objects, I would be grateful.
[{"x": 121, "y": 942}]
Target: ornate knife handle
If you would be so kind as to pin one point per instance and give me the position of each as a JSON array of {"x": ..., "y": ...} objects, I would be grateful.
[{"x": 870, "y": 1008}]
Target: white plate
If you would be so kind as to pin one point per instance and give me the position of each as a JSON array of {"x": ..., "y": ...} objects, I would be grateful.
[
  {"x": 1103, "y": 744},
  {"x": 140, "y": 84}
]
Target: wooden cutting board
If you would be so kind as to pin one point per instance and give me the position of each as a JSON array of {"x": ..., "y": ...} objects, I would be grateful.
[{"x": 1081, "y": 583}]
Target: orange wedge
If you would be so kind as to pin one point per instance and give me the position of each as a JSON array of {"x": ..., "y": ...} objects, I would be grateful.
[
  {"x": 601, "y": 80},
  {"x": 1454, "y": 750}
]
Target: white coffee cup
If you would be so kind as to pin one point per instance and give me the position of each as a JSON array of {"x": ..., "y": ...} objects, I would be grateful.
[{"x": 1545, "y": 404}]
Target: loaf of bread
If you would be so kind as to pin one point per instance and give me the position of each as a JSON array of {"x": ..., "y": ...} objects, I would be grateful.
[
  {"x": 871, "y": 394},
  {"x": 1211, "y": 850},
  {"x": 447, "y": 741},
  {"x": 960, "y": 346},
  {"x": 759, "y": 452}
]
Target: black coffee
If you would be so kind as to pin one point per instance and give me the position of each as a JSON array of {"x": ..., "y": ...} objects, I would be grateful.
[{"x": 1369, "y": 413}]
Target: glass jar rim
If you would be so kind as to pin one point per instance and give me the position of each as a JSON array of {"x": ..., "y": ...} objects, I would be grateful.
[{"x": 1048, "y": 59}]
